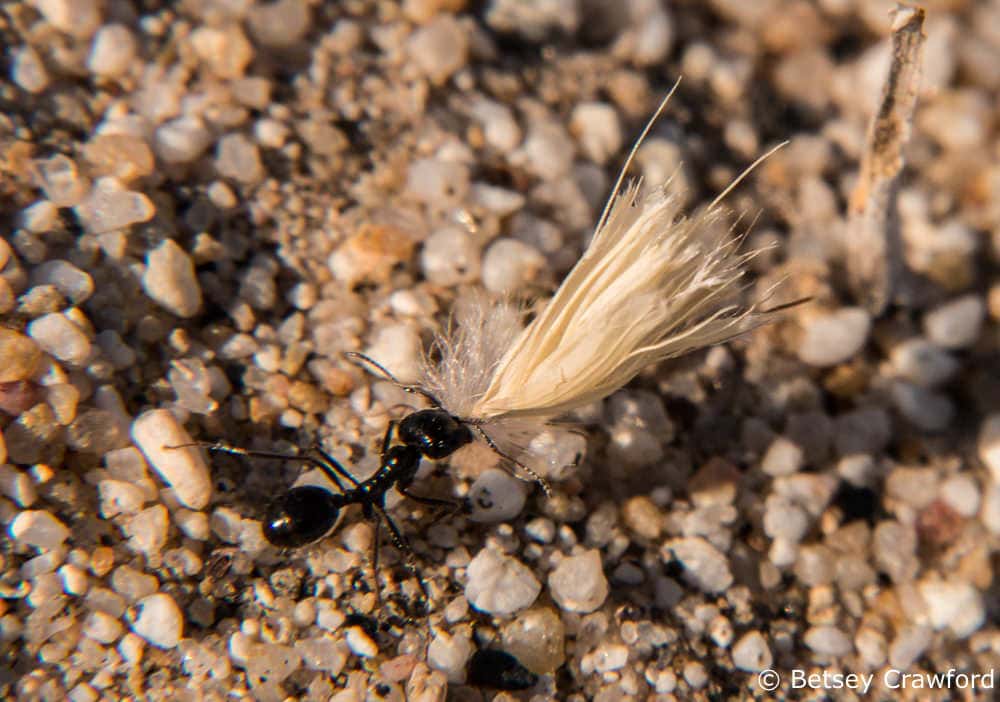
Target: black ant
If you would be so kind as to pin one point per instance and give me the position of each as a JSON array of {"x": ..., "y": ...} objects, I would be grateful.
[{"x": 306, "y": 513}]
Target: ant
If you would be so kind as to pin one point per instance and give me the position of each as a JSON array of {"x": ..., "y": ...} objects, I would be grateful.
[{"x": 306, "y": 513}]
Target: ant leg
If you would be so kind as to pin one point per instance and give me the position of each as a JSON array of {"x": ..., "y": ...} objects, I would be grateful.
[
  {"x": 496, "y": 449},
  {"x": 376, "y": 541},
  {"x": 447, "y": 507},
  {"x": 404, "y": 546},
  {"x": 360, "y": 358},
  {"x": 329, "y": 466},
  {"x": 387, "y": 438},
  {"x": 335, "y": 464}
]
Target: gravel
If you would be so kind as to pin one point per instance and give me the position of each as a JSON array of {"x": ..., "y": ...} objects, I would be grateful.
[{"x": 208, "y": 203}]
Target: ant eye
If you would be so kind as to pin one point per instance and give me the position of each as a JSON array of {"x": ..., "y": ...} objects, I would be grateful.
[{"x": 303, "y": 515}]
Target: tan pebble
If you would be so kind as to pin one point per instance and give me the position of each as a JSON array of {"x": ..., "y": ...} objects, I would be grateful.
[
  {"x": 21, "y": 356},
  {"x": 371, "y": 253},
  {"x": 123, "y": 156},
  {"x": 307, "y": 397}
]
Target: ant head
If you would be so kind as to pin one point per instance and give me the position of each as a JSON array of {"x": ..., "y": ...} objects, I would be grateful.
[
  {"x": 302, "y": 515},
  {"x": 436, "y": 433}
]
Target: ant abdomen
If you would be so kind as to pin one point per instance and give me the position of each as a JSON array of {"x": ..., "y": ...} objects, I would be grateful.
[{"x": 302, "y": 515}]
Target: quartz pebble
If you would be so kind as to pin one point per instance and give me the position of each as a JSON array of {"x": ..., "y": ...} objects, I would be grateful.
[
  {"x": 956, "y": 324},
  {"x": 496, "y": 496},
  {"x": 510, "y": 264},
  {"x": 953, "y": 604},
  {"x": 989, "y": 444},
  {"x": 439, "y": 48},
  {"x": 450, "y": 256},
  {"x": 170, "y": 279},
  {"x": 61, "y": 338},
  {"x": 76, "y": 285},
  {"x": 110, "y": 205},
  {"x": 923, "y": 363},
  {"x": 181, "y": 140},
  {"x": 102, "y": 627},
  {"x": 279, "y": 24},
  {"x": 38, "y": 528},
  {"x": 183, "y": 469},
  {"x": 537, "y": 639},
  {"x": 783, "y": 457},
  {"x": 158, "y": 620},
  {"x": 597, "y": 127},
  {"x": 705, "y": 566},
  {"x": 578, "y": 583},
  {"x": 112, "y": 51},
  {"x": 449, "y": 654},
  {"x": 828, "y": 641},
  {"x": 834, "y": 337},
  {"x": 238, "y": 158},
  {"x": 751, "y": 653},
  {"x": 360, "y": 643},
  {"x": 29, "y": 72},
  {"x": 498, "y": 584}
]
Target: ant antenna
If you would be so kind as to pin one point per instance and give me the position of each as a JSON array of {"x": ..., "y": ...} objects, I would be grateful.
[
  {"x": 361, "y": 359},
  {"x": 535, "y": 477}
]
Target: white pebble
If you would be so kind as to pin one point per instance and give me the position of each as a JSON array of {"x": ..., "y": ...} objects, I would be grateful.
[
  {"x": 956, "y": 324},
  {"x": 953, "y": 604},
  {"x": 547, "y": 152},
  {"x": 78, "y": 18},
  {"x": 76, "y": 285},
  {"x": 28, "y": 70},
  {"x": 40, "y": 218},
  {"x": 437, "y": 183},
  {"x": 835, "y": 337},
  {"x": 450, "y": 256},
  {"x": 509, "y": 265},
  {"x": 499, "y": 584},
  {"x": 961, "y": 492},
  {"x": 923, "y": 363},
  {"x": 238, "y": 158},
  {"x": 59, "y": 337},
  {"x": 119, "y": 497},
  {"x": 112, "y": 51},
  {"x": 908, "y": 646},
  {"x": 449, "y": 654},
  {"x": 170, "y": 279},
  {"x": 578, "y": 583},
  {"x": 61, "y": 181},
  {"x": 871, "y": 646},
  {"x": 147, "y": 530},
  {"x": 133, "y": 584},
  {"x": 110, "y": 205},
  {"x": 38, "y": 528},
  {"x": 181, "y": 140},
  {"x": 751, "y": 653},
  {"x": 102, "y": 627},
  {"x": 596, "y": 126},
  {"x": 398, "y": 348},
  {"x": 271, "y": 664},
  {"x": 279, "y": 24},
  {"x": 828, "y": 641},
  {"x": 989, "y": 444},
  {"x": 705, "y": 566},
  {"x": 183, "y": 469},
  {"x": 14, "y": 483},
  {"x": 439, "y": 48},
  {"x": 158, "y": 620},
  {"x": 783, "y": 457},
  {"x": 75, "y": 579},
  {"x": 609, "y": 657},
  {"x": 496, "y": 496},
  {"x": 500, "y": 128},
  {"x": 784, "y": 520},
  {"x": 360, "y": 643},
  {"x": 926, "y": 409}
]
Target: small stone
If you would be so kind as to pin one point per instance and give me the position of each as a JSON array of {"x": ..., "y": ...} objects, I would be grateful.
[
  {"x": 496, "y": 496},
  {"x": 437, "y": 183},
  {"x": 894, "y": 546},
  {"x": 547, "y": 152},
  {"x": 961, "y": 493},
  {"x": 147, "y": 531},
  {"x": 28, "y": 70},
  {"x": 499, "y": 584},
  {"x": 238, "y": 158},
  {"x": 40, "y": 218},
  {"x": 61, "y": 181},
  {"x": 871, "y": 646},
  {"x": 159, "y": 620},
  {"x": 16, "y": 484},
  {"x": 119, "y": 497},
  {"x": 132, "y": 584},
  {"x": 123, "y": 156},
  {"x": 956, "y": 324},
  {"x": 609, "y": 657},
  {"x": 783, "y": 457},
  {"x": 183, "y": 469},
  {"x": 449, "y": 653},
  {"x": 110, "y": 205},
  {"x": 224, "y": 50},
  {"x": 78, "y": 18},
  {"x": 439, "y": 48},
  {"x": 397, "y": 347},
  {"x": 370, "y": 254},
  {"x": 923, "y": 363},
  {"x": 784, "y": 520},
  {"x": 908, "y": 646},
  {"x": 695, "y": 675},
  {"x": 35, "y": 437},
  {"x": 450, "y": 256},
  {"x": 989, "y": 445},
  {"x": 643, "y": 517},
  {"x": 705, "y": 567},
  {"x": 112, "y": 51},
  {"x": 596, "y": 126},
  {"x": 38, "y": 528},
  {"x": 751, "y": 653},
  {"x": 532, "y": 20},
  {"x": 269, "y": 665},
  {"x": 22, "y": 357},
  {"x": 59, "y": 337},
  {"x": 828, "y": 641},
  {"x": 863, "y": 431},
  {"x": 360, "y": 643},
  {"x": 928, "y": 410},
  {"x": 170, "y": 279},
  {"x": 500, "y": 128},
  {"x": 102, "y": 627},
  {"x": 537, "y": 639},
  {"x": 279, "y": 24},
  {"x": 953, "y": 604},
  {"x": 835, "y": 337},
  {"x": 578, "y": 583},
  {"x": 510, "y": 264},
  {"x": 76, "y": 285},
  {"x": 181, "y": 140}
]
